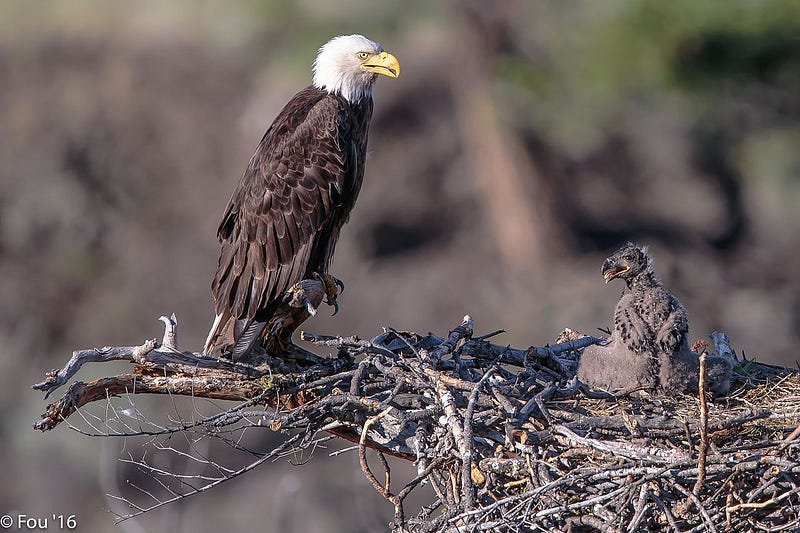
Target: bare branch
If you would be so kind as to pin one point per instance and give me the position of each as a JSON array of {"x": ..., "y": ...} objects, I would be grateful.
[{"x": 702, "y": 448}]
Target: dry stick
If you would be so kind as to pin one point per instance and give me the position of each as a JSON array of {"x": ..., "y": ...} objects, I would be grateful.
[
  {"x": 623, "y": 449},
  {"x": 761, "y": 505},
  {"x": 463, "y": 331},
  {"x": 561, "y": 508},
  {"x": 436, "y": 463},
  {"x": 581, "y": 504},
  {"x": 170, "y": 339},
  {"x": 387, "y": 478},
  {"x": 127, "y": 353},
  {"x": 667, "y": 513},
  {"x": 451, "y": 417},
  {"x": 690, "y": 496},
  {"x": 148, "y": 352},
  {"x": 789, "y": 439},
  {"x": 537, "y": 403},
  {"x": 640, "y": 508},
  {"x": 728, "y": 505},
  {"x": 467, "y": 487},
  {"x": 362, "y": 456},
  {"x": 405, "y": 491},
  {"x": 481, "y": 349},
  {"x": 702, "y": 449},
  {"x": 447, "y": 400},
  {"x": 205, "y": 488},
  {"x": 355, "y": 383},
  {"x": 80, "y": 393},
  {"x": 574, "y": 522}
]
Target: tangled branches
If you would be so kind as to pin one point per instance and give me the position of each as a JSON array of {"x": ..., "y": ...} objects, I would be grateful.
[{"x": 506, "y": 439}]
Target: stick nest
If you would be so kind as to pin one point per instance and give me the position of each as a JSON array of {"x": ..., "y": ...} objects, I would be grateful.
[{"x": 509, "y": 439}]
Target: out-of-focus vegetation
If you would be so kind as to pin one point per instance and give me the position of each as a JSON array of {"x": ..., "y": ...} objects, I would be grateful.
[{"x": 522, "y": 143}]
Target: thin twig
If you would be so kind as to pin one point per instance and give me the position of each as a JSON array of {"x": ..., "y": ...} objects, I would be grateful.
[{"x": 702, "y": 448}]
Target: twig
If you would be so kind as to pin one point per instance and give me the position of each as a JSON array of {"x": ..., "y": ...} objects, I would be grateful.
[
  {"x": 205, "y": 488},
  {"x": 461, "y": 332},
  {"x": 702, "y": 448},
  {"x": 640, "y": 509},
  {"x": 702, "y": 510},
  {"x": 623, "y": 449},
  {"x": 467, "y": 487},
  {"x": 789, "y": 439},
  {"x": 667, "y": 513}
]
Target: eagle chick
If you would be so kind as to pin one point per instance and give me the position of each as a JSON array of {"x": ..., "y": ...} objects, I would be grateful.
[{"x": 649, "y": 347}]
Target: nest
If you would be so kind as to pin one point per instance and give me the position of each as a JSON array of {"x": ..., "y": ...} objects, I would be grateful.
[
  {"x": 507, "y": 439},
  {"x": 512, "y": 441}
]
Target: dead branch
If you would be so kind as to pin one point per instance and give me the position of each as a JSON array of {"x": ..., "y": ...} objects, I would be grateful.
[
  {"x": 702, "y": 448},
  {"x": 146, "y": 353}
]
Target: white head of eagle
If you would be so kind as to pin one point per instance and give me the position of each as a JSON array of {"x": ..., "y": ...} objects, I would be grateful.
[{"x": 349, "y": 64}]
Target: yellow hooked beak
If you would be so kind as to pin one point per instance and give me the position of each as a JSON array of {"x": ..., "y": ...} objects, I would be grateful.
[{"x": 383, "y": 63}]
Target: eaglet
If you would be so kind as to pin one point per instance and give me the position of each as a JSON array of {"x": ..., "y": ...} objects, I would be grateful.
[{"x": 649, "y": 347}]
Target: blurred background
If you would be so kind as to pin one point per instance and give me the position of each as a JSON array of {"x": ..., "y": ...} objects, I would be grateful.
[{"x": 523, "y": 143}]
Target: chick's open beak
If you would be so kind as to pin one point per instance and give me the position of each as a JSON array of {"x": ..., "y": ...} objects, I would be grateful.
[{"x": 613, "y": 269}]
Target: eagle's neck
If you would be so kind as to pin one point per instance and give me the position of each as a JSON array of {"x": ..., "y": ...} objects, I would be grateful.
[{"x": 351, "y": 87}]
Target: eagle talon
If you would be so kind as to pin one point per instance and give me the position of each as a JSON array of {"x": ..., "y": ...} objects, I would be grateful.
[
  {"x": 309, "y": 306},
  {"x": 333, "y": 287}
]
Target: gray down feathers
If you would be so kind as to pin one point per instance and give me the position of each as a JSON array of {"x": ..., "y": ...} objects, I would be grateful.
[{"x": 649, "y": 347}]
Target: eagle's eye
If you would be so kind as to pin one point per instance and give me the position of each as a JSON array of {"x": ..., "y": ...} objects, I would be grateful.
[{"x": 362, "y": 55}]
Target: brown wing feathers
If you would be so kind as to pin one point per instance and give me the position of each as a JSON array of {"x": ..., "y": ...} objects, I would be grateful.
[{"x": 284, "y": 203}]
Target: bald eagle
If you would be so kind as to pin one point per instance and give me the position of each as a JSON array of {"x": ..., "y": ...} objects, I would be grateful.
[{"x": 283, "y": 220}]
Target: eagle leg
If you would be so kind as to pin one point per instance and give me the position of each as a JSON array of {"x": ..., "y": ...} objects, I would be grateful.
[
  {"x": 299, "y": 296},
  {"x": 333, "y": 288}
]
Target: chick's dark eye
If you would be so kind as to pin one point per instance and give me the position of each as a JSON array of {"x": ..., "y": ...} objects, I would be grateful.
[{"x": 362, "y": 55}]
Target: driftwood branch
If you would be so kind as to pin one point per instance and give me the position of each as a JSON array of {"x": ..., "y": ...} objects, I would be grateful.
[
  {"x": 507, "y": 438},
  {"x": 148, "y": 353}
]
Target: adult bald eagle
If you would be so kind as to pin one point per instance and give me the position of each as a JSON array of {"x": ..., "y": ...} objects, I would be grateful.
[{"x": 283, "y": 220}]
